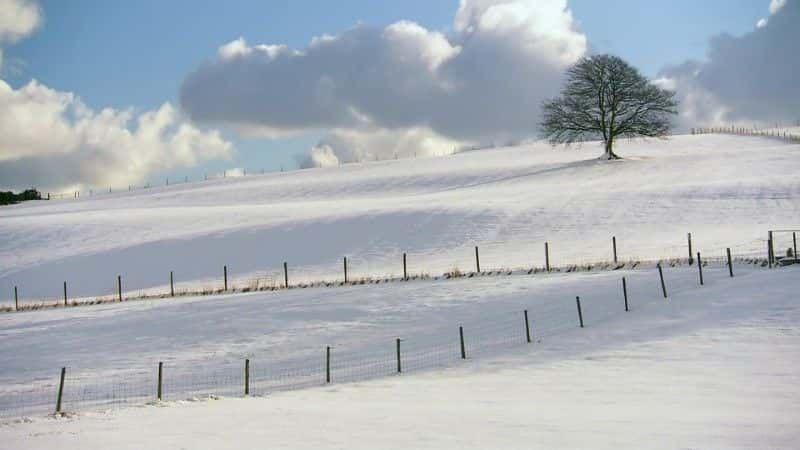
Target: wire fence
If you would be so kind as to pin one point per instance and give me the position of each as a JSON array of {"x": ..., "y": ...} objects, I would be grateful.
[
  {"x": 490, "y": 259},
  {"x": 789, "y": 134},
  {"x": 442, "y": 346}
]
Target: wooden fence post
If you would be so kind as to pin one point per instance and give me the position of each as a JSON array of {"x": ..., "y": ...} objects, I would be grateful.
[
  {"x": 580, "y": 313},
  {"x": 463, "y": 347},
  {"x": 16, "y": 300},
  {"x": 160, "y": 379},
  {"x": 171, "y": 285},
  {"x": 661, "y": 275},
  {"x": 60, "y": 390},
  {"x": 477, "y": 261},
  {"x": 771, "y": 249},
  {"x": 614, "y": 245},
  {"x": 730, "y": 262},
  {"x": 625, "y": 292},
  {"x": 225, "y": 277},
  {"x": 65, "y": 293},
  {"x": 769, "y": 253},
  {"x": 119, "y": 287},
  {"x": 405, "y": 272},
  {"x": 700, "y": 268},
  {"x": 286, "y": 275},
  {"x": 547, "y": 256},
  {"x": 399, "y": 366},
  {"x": 527, "y": 327},
  {"x": 689, "y": 239},
  {"x": 328, "y": 364},
  {"x": 247, "y": 377},
  {"x": 345, "y": 270}
]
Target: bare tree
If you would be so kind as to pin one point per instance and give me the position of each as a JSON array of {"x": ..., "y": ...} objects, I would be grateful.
[{"x": 605, "y": 97}]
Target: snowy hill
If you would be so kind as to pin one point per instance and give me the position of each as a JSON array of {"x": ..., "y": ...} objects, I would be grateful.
[
  {"x": 725, "y": 190},
  {"x": 713, "y": 357},
  {"x": 713, "y": 367}
]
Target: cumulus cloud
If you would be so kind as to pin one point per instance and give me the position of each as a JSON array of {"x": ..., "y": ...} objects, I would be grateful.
[
  {"x": 321, "y": 155},
  {"x": 18, "y": 19},
  {"x": 400, "y": 89},
  {"x": 348, "y": 145},
  {"x": 51, "y": 139},
  {"x": 749, "y": 79}
]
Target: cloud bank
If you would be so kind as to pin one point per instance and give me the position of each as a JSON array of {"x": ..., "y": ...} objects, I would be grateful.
[
  {"x": 51, "y": 139},
  {"x": 398, "y": 90},
  {"x": 752, "y": 79}
]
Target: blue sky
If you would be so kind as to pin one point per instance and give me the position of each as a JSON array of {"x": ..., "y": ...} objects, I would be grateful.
[{"x": 136, "y": 54}]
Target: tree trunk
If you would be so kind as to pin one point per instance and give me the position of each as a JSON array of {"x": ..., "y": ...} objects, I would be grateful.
[{"x": 609, "y": 154}]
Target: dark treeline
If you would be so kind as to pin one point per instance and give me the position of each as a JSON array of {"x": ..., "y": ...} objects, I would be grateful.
[{"x": 8, "y": 197}]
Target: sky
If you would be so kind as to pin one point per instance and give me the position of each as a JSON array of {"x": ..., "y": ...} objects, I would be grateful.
[{"x": 140, "y": 91}]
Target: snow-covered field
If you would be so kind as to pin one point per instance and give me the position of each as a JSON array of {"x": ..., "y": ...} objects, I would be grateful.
[
  {"x": 712, "y": 367},
  {"x": 725, "y": 190}
]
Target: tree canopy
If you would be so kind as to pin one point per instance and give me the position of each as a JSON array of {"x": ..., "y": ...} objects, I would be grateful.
[{"x": 605, "y": 97}]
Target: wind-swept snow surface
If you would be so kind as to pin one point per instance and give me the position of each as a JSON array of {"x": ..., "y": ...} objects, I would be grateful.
[
  {"x": 712, "y": 367},
  {"x": 725, "y": 190}
]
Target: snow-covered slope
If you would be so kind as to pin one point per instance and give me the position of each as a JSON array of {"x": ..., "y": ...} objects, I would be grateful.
[
  {"x": 726, "y": 190},
  {"x": 713, "y": 367}
]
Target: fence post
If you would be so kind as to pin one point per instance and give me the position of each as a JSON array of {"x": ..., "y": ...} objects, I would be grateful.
[
  {"x": 60, "y": 390},
  {"x": 399, "y": 367},
  {"x": 477, "y": 261},
  {"x": 247, "y": 377},
  {"x": 700, "y": 268},
  {"x": 580, "y": 313},
  {"x": 625, "y": 292},
  {"x": 119, "y": 287},
  {"x": 16, "y": 300},
  {"x": 463, "y": 347},
  {"x": 730, "y": 262},
  {"x": 794, "y": 242},
  {"x": 547, "y": 256},
  {"x": 689, "y": 238},
  {"x": 65, "y": 293},
  {"x": 405, "y": 272},
  {"x": 171, "y": 285},
  {"x": 614, "y": 245},
  {"x": 661, "y": 275},
  {"x": 527, "y": 327},
  {"x": 769, "y": 253},
  {"x": 286, "y": 275},
  {"x": 345, "y": 270},
  {"x": 160, "y": 379},
  {"x": 225, "y": 277},
  {"x": 328, "y": 364},
  {"x": 771, "y": 249}
]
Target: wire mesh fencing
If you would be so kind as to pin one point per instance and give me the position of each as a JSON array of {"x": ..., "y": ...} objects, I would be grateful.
[
  {"x": 436, "y": 347},
  {"x": 489, "y": 259}
]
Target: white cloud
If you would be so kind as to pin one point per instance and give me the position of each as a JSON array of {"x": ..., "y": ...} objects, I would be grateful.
[
  {"x": 50, "y": 139},
  {"x": 482, "y": 82},
  {"x": 321, "y": 155},
  {"x": 776, "y": 5},
  {"x": 749, "y": 80},
  {"x": 370, "y": 144},
  {"x": 761, "y": 23},
  {"x": 18, "y": 19}
]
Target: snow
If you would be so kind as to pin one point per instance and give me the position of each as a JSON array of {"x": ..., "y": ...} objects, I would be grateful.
[
  {"x": 712, "y": 367},
  {"x": 725, "y": 190},
  {"x": 112, "y": 350}
]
